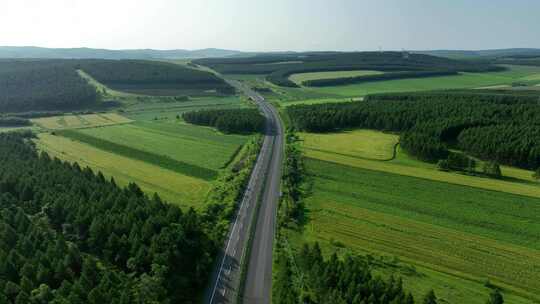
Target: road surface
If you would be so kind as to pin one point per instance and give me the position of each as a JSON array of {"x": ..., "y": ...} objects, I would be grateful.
[{"x": 264, "y": 183}]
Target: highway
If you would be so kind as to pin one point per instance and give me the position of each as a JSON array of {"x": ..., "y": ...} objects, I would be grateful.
[{"x": 264, "y": 183}]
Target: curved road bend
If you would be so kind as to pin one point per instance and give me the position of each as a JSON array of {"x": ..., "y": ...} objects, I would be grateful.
[{"x": 266, "y": 176}]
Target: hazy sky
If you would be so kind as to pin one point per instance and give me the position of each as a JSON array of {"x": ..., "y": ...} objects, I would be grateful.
[{"x": 264, "y": 25}]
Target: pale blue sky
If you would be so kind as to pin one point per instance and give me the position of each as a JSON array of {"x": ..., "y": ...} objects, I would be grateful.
[{"x": 271, "y": 25}]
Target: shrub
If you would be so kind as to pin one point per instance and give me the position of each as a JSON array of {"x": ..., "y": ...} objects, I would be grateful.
[
  {"x": 536, "y": 174},
  {"x": 443, "y": 165},
  {"x": 493, "y": 169}
]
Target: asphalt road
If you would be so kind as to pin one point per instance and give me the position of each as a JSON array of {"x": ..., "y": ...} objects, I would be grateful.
[{"x": 265, "y": 180}]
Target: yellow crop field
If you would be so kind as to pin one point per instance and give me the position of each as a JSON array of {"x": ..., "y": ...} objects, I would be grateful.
[{"x": 80, "y": 121}]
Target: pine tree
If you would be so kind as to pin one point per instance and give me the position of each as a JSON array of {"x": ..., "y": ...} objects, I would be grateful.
[
  {"x": 42, "y": 294},
  {"x": 22, "y": 298},
  {"x": 11, "y": 290},
  {"x": 26, "y": 285}
]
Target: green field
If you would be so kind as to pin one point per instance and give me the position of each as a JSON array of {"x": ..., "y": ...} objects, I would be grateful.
[
  {"x": 12, "y": 129},
  {"x": 364, "y": 144},
  {"x": 169, "y": 110},
  {"x": 464, "y": 80},
  {"x": 301, "y": 77},
  {"x": 525, "y": 74},
  {"x": 457, "y": 230},
  {"x": 173, "y": 187},
  {"x": 152, "y": 154},
  {"x": 317, "y": 101},
  {"x": 147, "y": 142},
  {"x": 333, "y": 148},
  {"x": 467, "y": 234},
  {"x": 187, "y": 143}
]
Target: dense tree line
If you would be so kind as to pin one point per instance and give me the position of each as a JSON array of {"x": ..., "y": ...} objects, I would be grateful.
[
  {"x": 460, "y": 162},
  {"x": 376, "y": 77},
  {"x": 493, "y": 126},
  {"x": 27, "y": 85},
  {"x": 513, "y": 144},
  {"x": 228, "y": 120},
  {"x": 291, "y": 207},
  {"x": 148, "y": 74},
  {"x": 280, "y": 66},
  {"x": 55, "y": 85},
  {"x": 35, "y": 114},
  {"x": 67, "y": 235},
  {"x": 10, "y": 121},
  {"x": 333, "y": 280},
  {"x": 228, "y": 189}
]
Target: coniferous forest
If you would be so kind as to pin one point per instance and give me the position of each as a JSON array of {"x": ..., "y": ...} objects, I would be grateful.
[
  {"x": 228, "y": 121},
  {"x": 144, "y": 73},
  {"x": 36, "y": 85},
  {"x": 493, "y": 126},
  {"x": 55, "y": 85},
  {"x": 333, "y": 280},
  {"x": 7, "y": 121},
  {"x": 68, "y": 235}
]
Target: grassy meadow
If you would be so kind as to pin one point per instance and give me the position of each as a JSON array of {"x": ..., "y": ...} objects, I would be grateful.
[
  {"x": 318, "y": 101},
  {"x": 326, "y": 147},
  {"x": 523, "y": 74},
  {"x": 462, "y": 81},
  {"x": 364, "y": 144},
  {"x": 145, "y": 142},
  {"x": 194, "y": 145},
  {"x": 176, "y": 160},
  {"x": 446, "y": 231},
  {"x": 12, "y": 129},
  {"x": 301, "y": 77},
  {"x": 179, "y": 189},
  {"x": 464, "y": 233},
  {"x": 161, "y": 110}
]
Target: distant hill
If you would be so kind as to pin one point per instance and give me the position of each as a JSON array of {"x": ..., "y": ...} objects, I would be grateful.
[
  {"x": 462, "y": 54},
  {"x": 279, "y": 66},
  {"x": 89, "y": 53},
  {"x": 22, "y": 52}
]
